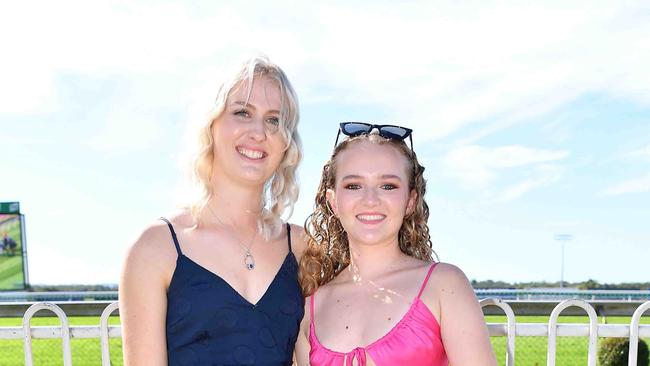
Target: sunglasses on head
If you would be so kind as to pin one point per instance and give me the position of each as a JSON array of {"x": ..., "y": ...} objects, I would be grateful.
[{"x": 391, "y": 132}]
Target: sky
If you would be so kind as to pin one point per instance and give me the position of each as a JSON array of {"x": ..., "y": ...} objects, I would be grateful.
[{"x": 531, "y": 118}]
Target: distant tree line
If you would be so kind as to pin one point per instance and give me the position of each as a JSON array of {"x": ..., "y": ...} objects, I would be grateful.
[
  {"x": 50, "y": 288},
  {"x": 584, "y": 285}
]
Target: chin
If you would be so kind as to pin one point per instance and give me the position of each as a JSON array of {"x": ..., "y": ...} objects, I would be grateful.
[{"x": 254, "y": 176}]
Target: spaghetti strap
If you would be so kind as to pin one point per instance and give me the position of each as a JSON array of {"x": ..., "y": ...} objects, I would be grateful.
[
  {"x": 289, "y": 236},
  {"x": 171, "y": 229},
  {"x": 426, "y": 279}
]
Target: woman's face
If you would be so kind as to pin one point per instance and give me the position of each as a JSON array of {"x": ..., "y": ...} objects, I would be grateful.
[
  {"x": 248, "y": 147},
  {"x": 371, "y": 195}
]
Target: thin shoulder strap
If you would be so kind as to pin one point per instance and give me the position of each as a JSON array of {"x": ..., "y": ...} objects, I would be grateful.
[
  {"x": 171, "y": 229},
  {"x": 426, "y": 279},
  {"x": 289, "y": 235}
]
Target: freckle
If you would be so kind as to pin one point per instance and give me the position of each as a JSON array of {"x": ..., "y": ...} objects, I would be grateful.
[
  {"x": 389, "y": 318},
  {"x": 337, "y": 300}
]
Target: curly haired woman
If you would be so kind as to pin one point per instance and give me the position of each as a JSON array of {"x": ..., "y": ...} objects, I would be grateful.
[{"x": 375, "y": 295}]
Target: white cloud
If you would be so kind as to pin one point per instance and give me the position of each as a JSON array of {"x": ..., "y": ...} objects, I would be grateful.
[
  {"x": 546, "y": 175},
  {"x": 438, "y": 67},
  {"x": 476, "y": 166},
  {"x": 640, "y": 153},
  {"x": 637, "y": 185}
]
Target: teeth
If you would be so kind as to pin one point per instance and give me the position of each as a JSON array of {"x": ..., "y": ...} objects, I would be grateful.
[
  {"x": 251, "y": 154},
  {"x": 370, "y": 217}
]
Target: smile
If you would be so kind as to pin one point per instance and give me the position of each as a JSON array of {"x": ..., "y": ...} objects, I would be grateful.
[
  {"x": 251, "y": 154},
  {"x": 371, "y": 217}
]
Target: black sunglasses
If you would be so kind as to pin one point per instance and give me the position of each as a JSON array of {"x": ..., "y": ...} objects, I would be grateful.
[{"x": 391, "y": 132}]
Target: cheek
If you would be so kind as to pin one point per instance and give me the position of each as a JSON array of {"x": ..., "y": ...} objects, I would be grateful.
[{"x": 345, "y": 201}]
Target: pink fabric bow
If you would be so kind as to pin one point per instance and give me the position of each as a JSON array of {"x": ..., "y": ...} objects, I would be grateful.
[{"x": 358, "y": 354}]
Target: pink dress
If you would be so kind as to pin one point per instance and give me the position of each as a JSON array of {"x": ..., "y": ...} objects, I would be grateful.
[{"x": 415, "y": 340}]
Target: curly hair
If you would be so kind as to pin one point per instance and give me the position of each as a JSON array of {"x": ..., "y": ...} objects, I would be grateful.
[
  {"x": 281, "y": 190},
  {"x": 328, "y": 250}
]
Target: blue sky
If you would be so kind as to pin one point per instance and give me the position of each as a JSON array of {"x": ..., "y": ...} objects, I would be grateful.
[{"x": 532, "y": 120}]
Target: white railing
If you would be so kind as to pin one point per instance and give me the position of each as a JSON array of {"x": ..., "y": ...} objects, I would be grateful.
[
  {"x": 510, "y": 329},
  {"x": 552, "y": 330},
  {"x": 65, "y": 332}
]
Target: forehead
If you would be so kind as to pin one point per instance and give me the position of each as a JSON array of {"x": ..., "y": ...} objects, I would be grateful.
[
  {"x": 366, "y": 158},
  {"x": 263, "y": 91}
]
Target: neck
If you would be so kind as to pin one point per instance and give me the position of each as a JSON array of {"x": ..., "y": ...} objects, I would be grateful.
[
  {"x": 369, "y": 262},
  {"x": 234, "y": 205}
]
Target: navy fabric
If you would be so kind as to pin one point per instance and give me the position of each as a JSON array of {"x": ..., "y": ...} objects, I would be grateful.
[{"x": 209, "y": 323}]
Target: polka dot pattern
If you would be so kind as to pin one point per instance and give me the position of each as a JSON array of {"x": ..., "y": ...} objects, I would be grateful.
[{"x": 208, "y": 323}]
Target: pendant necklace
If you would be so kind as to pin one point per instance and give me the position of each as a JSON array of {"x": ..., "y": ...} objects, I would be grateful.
[{"x": 249, "y": 260}]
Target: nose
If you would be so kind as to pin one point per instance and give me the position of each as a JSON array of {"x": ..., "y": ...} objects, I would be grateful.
[
  {"x": 371, "y": 197},
  {"x": 256, "y": 130}
]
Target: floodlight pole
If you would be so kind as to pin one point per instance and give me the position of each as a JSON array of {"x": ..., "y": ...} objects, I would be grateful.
[{"x": 563, "y": 238}]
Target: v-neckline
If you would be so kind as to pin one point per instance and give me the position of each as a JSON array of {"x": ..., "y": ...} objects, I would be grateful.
[{"x": 228, "y": 285}]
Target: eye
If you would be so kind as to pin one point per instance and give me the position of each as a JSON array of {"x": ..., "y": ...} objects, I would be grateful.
[
  {"x": 352, "y": 186},
  {"x": 389, "y": 187},
  {"x": 242, "y": 113},
  {"x": 275, "y": 121}
]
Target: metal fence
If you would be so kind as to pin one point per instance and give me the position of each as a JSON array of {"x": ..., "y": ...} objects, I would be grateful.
[{"x": 511, "y": 332}]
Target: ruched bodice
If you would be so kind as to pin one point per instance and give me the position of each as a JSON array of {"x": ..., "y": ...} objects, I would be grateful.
[{"x": 415, "y": 340}]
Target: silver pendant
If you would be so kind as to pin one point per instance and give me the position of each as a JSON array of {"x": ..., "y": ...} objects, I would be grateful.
[{"x": 249, "y": 261}]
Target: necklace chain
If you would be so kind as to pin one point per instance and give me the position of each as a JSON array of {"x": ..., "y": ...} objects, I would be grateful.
[{"x": 249, "y": 260}]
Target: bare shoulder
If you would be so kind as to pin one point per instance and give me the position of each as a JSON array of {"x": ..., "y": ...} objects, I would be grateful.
[
  {"x": 449, "y": 271},
  {"x": 153, "y": 252},
  {"x": 298, "y": 240},
  {"x": 447, "y": 279}
]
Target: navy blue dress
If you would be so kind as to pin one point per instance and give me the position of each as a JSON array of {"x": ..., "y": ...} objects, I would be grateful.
[{"x": 209, "y": 323}]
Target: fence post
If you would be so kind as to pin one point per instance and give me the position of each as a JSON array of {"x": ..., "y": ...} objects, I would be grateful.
[
  {"x": 511, "y": 327},
  {"x": 634, "y": 333},
  {"x": 103, "y": 332},
  {"x": 27, "y": 331},
  {"x": 552, "y": 330}
]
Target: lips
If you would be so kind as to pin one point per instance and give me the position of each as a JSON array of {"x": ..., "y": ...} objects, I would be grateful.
[
  {"x": 251, "y": 154},
  {"x": 370, "y": 218}
]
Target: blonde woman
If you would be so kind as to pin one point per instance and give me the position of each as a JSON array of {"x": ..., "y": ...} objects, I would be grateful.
[
  {"x": 376, "y": 297},
  {"x": 217, "y": 284}
]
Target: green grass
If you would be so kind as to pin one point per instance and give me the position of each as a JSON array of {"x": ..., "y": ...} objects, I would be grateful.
[{"x": 530, "y": 351}]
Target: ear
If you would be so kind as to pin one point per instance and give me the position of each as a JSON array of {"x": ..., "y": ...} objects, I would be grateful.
[
  {"x": 410, "y": 205},
  {"x": 331, "y": 201}
]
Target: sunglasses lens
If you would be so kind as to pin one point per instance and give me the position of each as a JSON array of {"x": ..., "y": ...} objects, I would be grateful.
[
  {"x": 354, "y": 128},
  {"x": 394, "y": 132}
]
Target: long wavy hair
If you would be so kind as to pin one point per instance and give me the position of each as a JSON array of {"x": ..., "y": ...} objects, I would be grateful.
[
  {"x": 328, "y": 249},
  {"x": 281, "y": 189}
]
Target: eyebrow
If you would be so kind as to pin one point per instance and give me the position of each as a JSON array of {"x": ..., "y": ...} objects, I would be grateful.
[
  {"x": 248, "y": 105},
  {"x": 384, "y": 176}
]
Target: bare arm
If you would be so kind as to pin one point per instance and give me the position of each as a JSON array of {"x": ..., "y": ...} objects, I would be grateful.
[
  {"x": 143, "y": 299},
  {"x": 463, "y": 328},
  {"x": 302, "y": 343},
  {"x": 298, "y": 241}
]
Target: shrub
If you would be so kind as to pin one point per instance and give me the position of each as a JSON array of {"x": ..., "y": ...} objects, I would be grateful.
[{"x": 614, "y": 352}]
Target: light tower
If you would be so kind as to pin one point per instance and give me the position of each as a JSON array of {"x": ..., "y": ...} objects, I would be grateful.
[{"x": 563, "y": 238}]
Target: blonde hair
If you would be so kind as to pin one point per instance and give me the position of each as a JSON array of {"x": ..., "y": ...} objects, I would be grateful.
[
  {"x": 281, "y": 189},
  {"x": 328, "y": 250}
]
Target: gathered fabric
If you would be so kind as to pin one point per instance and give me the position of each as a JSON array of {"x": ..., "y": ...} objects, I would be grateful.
[{"x": 415, "y": 340}]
